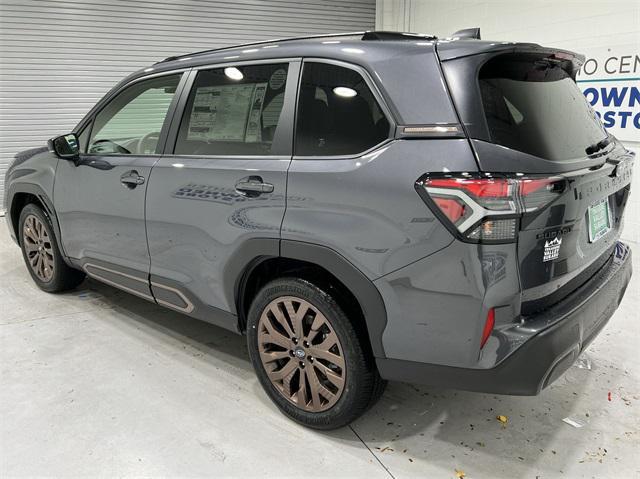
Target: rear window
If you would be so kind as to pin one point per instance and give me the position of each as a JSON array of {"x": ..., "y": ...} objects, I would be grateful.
[{"x": 532, "y": 105}]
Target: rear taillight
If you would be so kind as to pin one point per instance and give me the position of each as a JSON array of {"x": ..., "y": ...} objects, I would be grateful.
[{"x": 487, "y": 208}]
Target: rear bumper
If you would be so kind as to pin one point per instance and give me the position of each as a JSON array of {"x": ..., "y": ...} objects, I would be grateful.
[{"x": 571, "y": 325}]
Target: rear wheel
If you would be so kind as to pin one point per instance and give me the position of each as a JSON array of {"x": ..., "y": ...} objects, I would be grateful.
[
  {"x": 308, "y": 356},
  {"x": 41, "y": 253}
]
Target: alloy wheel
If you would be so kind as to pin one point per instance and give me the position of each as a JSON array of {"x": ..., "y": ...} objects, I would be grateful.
[
  {"x": 301, "y": 353},
  {"x": 38, "y": 248}
]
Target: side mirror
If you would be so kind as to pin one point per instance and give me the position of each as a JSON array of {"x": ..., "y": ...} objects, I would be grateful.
[{"x": 66, "y": 147}]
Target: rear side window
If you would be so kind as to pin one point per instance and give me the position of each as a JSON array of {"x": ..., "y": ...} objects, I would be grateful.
[
  {"x": 533, "y": 105},
  {"x": 233, "y": 111},
  {"x": 337, "y": 113}
]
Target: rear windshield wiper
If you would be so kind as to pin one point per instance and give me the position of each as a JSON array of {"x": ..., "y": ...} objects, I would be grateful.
[{"x": 601, "y": 145}]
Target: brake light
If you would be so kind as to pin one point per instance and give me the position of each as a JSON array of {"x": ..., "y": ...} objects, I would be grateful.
[
  {"x": 488, "y": 208},
  {"x": 478, "y": 187},
  {"x": 451, "y": 207},
  {"x": 488, "y": 327}
]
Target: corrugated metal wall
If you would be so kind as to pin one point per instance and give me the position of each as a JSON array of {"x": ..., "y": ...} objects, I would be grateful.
[{"x": 58, "y": 57}]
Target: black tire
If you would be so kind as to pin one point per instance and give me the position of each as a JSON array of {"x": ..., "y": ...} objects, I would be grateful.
[
  {"x": 362, "y": 385},
  {"x": 60, "y": 277}
]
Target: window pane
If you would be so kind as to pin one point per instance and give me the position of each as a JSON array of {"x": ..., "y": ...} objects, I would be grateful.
[
  {"x": 534, "y": 106},
  {"x": 337, "y": 113},
  {"x": 233, "y": 111},
  {"x": 131, "y": 122}
]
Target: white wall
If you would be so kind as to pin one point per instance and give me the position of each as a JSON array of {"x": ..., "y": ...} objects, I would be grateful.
[{"x": 592, "y": 28}]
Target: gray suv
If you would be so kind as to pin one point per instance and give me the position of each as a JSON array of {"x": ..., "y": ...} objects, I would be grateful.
[{"x": 363, "y": 207}]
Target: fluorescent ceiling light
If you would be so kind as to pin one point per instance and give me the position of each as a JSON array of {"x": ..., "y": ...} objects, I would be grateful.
[
  {"x": 345, "y": 91},
  {"x": 233, "y": 73}
]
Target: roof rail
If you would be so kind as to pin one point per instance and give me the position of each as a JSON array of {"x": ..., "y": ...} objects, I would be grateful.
[
  {"x": 468, "y": 33},
  {"x": 388, "y": 35},
  {"x": 262, "y": 42}
]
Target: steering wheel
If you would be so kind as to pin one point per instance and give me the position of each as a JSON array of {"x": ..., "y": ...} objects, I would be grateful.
[
  {"x": 148, "y": 142},
  {"x": 107, "y": 146}
]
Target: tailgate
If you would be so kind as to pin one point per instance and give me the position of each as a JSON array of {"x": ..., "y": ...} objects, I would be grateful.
[
  {"x": 564, "y": 245},
  {"x": 528, "y": 120}
]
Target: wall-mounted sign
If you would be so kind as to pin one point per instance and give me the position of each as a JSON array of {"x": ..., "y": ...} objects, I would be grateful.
[{"x": 610, "y": 80}]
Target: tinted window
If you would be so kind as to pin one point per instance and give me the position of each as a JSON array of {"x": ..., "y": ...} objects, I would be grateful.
[
  {"x": 233, "y": 111},
  {"x": 131, "y": 122},
  {"x": 337, "y": 113},
  {"x": 533, "y": 105}
]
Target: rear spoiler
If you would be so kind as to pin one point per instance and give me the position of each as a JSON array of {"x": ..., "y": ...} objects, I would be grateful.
[
  {"x": 452, "y": 49},
  {"x": 467, "y": 33}
]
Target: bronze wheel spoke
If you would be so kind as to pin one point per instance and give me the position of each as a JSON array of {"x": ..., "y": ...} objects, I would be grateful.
[
  {"x": 314, "y": 385},
  {"x": 273, "y": 336},
  {"x": 286, "y": 381},
  {"x": 296, "y": 316},
  {"x": 271, "y": 356},
  {"x": 30, "y": 246},
  {"x": 311, "y": 376},
  {"x": 302, "y": 389},
  {"x": 327, "y": 356},
  {"x": 282, "y": 373},
  {"x": 331, "y": 375},
  {"x": 29, "y": 233},
  {"x": 282, "y": 320}
]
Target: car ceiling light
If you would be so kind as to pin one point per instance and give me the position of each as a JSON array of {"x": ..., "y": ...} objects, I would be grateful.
[
  {"x": 345, "y": 92},
  {"x": 233, "y": 73}
]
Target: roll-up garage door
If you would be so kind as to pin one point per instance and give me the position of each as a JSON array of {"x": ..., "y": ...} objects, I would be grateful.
[{"x": 58, "y": 57}]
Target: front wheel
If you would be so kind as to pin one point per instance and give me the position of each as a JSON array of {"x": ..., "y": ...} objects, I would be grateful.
[
  {"x": 42, "y": 254},
  {"x": 308, "y": 355}
]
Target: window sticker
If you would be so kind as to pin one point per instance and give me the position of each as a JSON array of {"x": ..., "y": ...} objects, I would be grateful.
[
  {"x": 254, "y": 127},
  {"x": 221, "y": 113}
]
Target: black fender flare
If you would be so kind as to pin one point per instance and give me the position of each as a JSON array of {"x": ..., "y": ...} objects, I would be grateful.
[
  {"x": 255, "y": 250},
  {"x": 38, "y": 192}
]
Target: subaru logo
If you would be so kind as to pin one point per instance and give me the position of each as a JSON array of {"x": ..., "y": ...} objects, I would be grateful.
[{"x": 299, "y": 352}]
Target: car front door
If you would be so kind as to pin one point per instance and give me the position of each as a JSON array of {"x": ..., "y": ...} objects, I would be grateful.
[
  {"x": 99, "y": 199},
  {"x": 221, "y": 183}
]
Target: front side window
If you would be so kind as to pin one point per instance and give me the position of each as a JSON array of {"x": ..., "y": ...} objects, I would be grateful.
[
  {"x": 337, "y": 113},
  {"x": 130, "y": 124},
  {"x": 233, "y": 111}
]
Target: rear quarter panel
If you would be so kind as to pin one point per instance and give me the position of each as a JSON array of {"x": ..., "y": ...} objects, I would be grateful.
[{"x": 366, "y": 208}]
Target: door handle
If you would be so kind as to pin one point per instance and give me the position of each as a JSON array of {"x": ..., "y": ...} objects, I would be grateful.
[
  {"x": 131, "y": 179},
  {"x": 253, "y": 186}
]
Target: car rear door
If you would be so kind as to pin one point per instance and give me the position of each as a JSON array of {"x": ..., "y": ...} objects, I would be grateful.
[
  {"x": 99, "y": 199},
  {"x": 221, "y": 182}
]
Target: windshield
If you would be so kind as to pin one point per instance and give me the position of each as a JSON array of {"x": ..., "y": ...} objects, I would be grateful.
[{"x": 532, "y": 105}]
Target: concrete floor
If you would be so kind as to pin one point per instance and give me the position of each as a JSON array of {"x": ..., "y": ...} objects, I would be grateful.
[{"x": 96, "y": 382}]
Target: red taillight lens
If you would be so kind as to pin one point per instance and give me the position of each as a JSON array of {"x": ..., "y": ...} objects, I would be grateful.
[
  {"x": 477, "y": 206},
  {"x": 451, "y": 207},
  {"x": 480, "y": 187},
  {"x": 488, "y": 327}
]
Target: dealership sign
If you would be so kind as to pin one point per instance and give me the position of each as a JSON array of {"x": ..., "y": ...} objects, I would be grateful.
[{"x": 611, "y": 83}]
